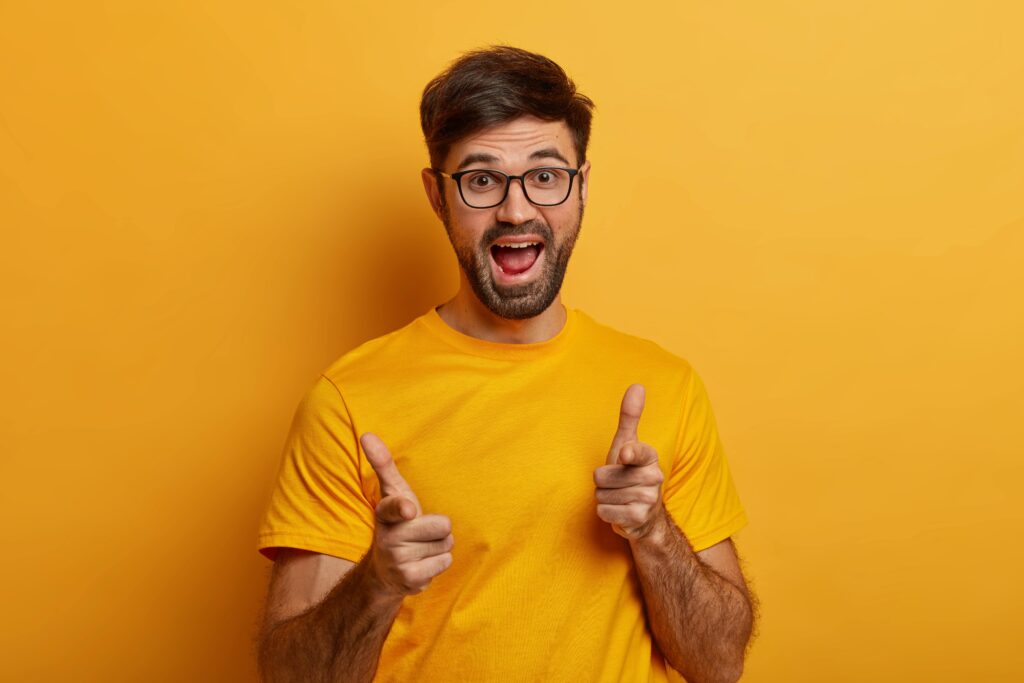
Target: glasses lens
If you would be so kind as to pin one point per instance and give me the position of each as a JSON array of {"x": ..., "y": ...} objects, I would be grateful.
[
  {"x": 547, "y": 185},
  {"x": 483, "y": 189}
]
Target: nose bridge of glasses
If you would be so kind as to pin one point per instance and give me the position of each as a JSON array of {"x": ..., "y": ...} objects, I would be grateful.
[
  {"x": 522, "y": 187},
  {"x": 516, "y": 206}
]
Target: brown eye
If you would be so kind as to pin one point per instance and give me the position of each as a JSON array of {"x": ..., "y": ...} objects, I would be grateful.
[
  {"x": 547, "y": 178},
  {"x": 483, "y": 181}
]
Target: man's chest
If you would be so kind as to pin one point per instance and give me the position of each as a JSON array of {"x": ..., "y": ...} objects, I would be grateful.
[{"x": 512, "y": 462}]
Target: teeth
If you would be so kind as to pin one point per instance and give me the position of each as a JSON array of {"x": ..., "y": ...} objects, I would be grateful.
[{"x": 518, "y": 245}]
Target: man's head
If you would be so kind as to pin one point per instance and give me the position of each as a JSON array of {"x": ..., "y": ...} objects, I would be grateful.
[{"x": 507, "y": 110}]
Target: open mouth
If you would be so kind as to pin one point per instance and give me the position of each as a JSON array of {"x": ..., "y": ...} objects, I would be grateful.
[{"x": 516, "y": 258}]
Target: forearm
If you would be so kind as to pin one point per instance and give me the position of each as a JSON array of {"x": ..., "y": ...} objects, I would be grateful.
[
  {"x": 700, "y": 620},
  {"x": 340, "y": 639}
]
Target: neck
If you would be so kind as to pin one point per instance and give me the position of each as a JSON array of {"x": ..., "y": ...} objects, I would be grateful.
[{"x": 466, "y": 314}]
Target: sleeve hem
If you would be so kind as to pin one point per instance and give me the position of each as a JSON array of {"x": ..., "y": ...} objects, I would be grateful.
[
  {"x": 718, "y": 533},
  {"x": 269, "y": 543}
]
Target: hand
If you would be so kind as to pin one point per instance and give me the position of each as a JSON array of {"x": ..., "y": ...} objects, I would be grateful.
[
  {"x": 409, "y": 548},
  {"x": 629, "y": 485}
]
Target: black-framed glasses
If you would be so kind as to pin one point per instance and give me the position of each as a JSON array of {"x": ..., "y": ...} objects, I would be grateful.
[{"x": 484, "y": 188}]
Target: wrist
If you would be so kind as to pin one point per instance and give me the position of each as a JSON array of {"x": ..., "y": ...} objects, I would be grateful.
[
  {"x": 655, "y": 531},
  {"x": 376, "y": 587}
]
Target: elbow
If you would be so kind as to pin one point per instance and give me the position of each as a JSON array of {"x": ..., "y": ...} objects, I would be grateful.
[
  {"x": 730, "y": 669},
  {"x": 731, "y": 674},
  {"x": 269, "y": 659},
  {"x": 724, "y": 671},
  {"x": 724, "y": 674},
  {"x": 265, "y": 662}
]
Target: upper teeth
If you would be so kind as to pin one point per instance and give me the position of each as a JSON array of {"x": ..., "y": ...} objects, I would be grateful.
[{"x": 519, "y": 245}]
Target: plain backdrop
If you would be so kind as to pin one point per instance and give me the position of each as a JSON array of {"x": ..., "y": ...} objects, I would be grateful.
[{"x": 819, "y": 204}]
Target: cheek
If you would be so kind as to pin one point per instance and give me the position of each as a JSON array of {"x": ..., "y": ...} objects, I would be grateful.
[
  {"x": 563, "y": 221},
  {"x": 468, "y": 227}
]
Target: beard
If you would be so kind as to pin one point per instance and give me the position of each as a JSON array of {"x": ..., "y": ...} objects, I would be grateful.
[{"x": 520, "y": 301}]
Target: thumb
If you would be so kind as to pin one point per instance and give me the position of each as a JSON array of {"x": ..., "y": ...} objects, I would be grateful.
[
  {"x": 393, "y": 509},
  {"x": 637, "y": 454},
  {"x": 392, "y": 483},
  {"x": 629, "y": 419}
]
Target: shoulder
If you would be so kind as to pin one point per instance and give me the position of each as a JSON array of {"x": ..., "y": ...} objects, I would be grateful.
[
  {"x": 621, "y": 346},
  {"x": 387, "y": 352}
]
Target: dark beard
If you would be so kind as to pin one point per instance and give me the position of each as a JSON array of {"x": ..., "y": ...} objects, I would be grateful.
[{"x": 527, "y": 300}]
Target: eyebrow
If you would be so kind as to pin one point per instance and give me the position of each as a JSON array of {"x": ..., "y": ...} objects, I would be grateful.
[
  {"x": 483, "y": 157},
  {"x": 549, "y": 153},
  {"x": 475, "y": 159}
]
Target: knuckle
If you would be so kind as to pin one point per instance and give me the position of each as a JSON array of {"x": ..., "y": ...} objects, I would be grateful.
[
  {"x": 412, "y": 576},
  {"x": 434, "y": 527},
  {"x": 393, "y": 555},
  {"x": 443, "y": 561},
  {"x": 444, "y": 524},
  {"x": 638, "y": 513}
]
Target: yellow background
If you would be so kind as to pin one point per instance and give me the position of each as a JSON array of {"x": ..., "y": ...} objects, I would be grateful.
[{"x": 819, "y": 204}]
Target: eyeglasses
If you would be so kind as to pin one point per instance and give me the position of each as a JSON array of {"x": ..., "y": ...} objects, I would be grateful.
[{"x": 483, "y": 188}]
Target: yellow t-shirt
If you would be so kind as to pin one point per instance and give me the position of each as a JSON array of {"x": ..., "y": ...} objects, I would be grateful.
[{"x": 504, "y": 440}]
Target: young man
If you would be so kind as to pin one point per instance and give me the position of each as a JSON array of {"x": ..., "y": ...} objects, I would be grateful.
[{"x": 448, "y": 507}]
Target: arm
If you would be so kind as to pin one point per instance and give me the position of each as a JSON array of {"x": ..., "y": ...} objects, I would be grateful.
[
  {"x": 700, "y": 610},
  {"x": 307, "y": 636},
  {"x": 327, "y": 618}
]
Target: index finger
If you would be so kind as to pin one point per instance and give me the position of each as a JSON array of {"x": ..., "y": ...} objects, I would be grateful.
[{"x": 377, "y": 453}]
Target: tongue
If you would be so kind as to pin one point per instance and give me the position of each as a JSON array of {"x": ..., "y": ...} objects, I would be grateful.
[{"x": 513, "y": 260}]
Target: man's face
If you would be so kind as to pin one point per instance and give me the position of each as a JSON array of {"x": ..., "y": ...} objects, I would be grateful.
[{"x": 532, "y": 276}]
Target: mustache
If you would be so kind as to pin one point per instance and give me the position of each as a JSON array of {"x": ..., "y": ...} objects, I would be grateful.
[{"x": 501, "y": 229}]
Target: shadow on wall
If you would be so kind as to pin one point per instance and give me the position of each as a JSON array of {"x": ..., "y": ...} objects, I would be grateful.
[
  {"x": 376, "y": 261},
  {"x": 388, "y": 269}
]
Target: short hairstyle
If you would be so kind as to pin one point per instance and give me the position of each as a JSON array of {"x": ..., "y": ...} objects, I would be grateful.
[{"x": 493, "y": 85}]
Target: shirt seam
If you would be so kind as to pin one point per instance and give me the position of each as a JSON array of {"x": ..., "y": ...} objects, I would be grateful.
[
  {"x": 509, "y": 355},
  {"x": 714, "y": 532},
  {"x": 355, "y": 435}
]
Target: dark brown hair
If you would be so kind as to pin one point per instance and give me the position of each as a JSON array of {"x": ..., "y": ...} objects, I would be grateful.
[{"x": 496, "y": 84}]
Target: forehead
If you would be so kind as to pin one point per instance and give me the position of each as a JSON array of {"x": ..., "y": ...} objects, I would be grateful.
[{"x": 513, "y": 142}]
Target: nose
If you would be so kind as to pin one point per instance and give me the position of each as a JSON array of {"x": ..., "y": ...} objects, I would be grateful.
[{"x": 516, "y": 208}]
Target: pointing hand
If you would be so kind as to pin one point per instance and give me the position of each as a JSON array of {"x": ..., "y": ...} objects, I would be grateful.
[
  {"x": 409, "y": 548},
  {"x": 629, "y": 485}
]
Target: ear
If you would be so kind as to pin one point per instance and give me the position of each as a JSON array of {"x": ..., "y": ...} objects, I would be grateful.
[
  {"x": 433, "y": 191},
  {"x": 584, "y": 181}
]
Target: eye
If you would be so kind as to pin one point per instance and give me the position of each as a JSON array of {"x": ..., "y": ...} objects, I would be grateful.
[
  {"x": 483, "y": 180},
  {"x": 546, "y": 177}
]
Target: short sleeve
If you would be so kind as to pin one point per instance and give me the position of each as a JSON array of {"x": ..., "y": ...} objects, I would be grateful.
[
  {"x": 699, "y": 492},
  {"x": 318, "y": 502}
]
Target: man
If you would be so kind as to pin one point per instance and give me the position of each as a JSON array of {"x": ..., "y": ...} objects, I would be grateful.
[{"x": 448, "y": 507}]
